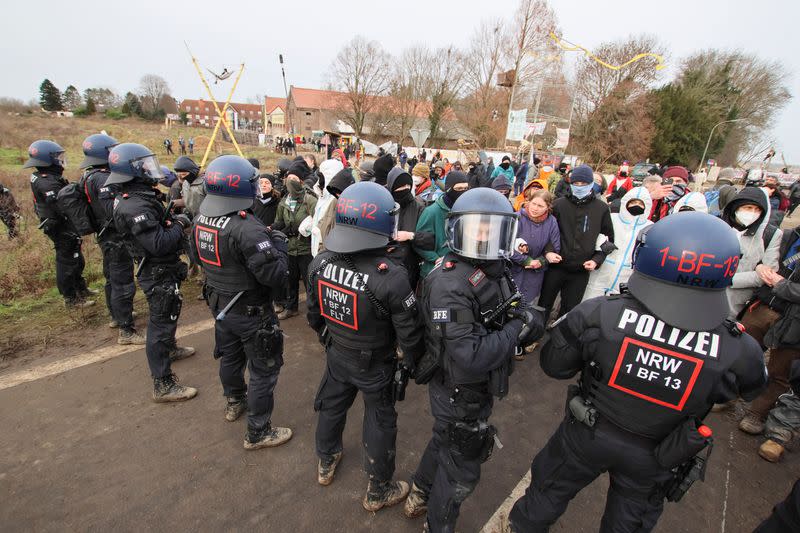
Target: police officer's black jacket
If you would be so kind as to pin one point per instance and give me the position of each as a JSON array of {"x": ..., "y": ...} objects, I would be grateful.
[
  {"x": 101, "y": 201},
  {"x": 45, "y": 185},
  {"x": 238, "y": 253},
  {"x": 137, "y": 217},
  {"x": 455, "y": 296},
  {"x": 645, "y": 375},
  {"x": 337, "y": 298}
]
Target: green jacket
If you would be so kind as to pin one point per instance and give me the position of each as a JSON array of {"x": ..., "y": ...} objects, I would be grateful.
[
  {"x": 288, "y": 221},
  {"x": 432, "y": 220}
]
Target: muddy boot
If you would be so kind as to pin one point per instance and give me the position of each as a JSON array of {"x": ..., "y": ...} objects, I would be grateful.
[
  {"x": 278, "y": 308},
  {"x": 269, "y": 438},
  {"x": 79, "y": 303},
  {"x": 129, "y": 337},
  {"x": 327, "y": 468},
  {"x": 416, "y": 503},
  {"x": 180, "y": 352},
  {"x": 752, "y": 425},
  {"x": 287, "y": 313},
  {"x": 88, "y": 292},
  {"x": 771, "y": 451},
  {"x": 167, "y": 389},
  {"x": 382, "y": 494},
  {"x": 235, "y": 408}
]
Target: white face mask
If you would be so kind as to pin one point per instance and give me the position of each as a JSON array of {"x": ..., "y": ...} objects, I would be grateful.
[
  {"x": 417, "y": 180},
  {"x": 745, "y": 218}
]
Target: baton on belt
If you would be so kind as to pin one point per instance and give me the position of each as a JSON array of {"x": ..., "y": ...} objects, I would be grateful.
[{"x": 224, "y": 312}]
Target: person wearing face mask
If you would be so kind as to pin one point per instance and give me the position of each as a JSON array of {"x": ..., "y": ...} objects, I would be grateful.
[
  {"x": 432, "y": 220},
  {"x": 424, "y": 189},
  {"x": 292, "y": 210},
  {"x": 581, "y": 219},
  {"x": 328, "y": 169},
  {"x": 505, "y": 170},
  {"x": 618, "y": 265},
  {"x": 678, "y": 178},
  {"x": 399, "y": 183}
]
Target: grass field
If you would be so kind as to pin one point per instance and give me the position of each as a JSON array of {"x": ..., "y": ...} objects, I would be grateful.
[{"x": 27, "y": 269}]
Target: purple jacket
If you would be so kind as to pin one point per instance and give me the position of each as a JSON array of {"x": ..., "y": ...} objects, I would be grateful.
[{"x": 538, "y": 236}]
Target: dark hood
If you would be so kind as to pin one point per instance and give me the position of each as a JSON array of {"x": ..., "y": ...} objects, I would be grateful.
[
  {"x": 381, "y": 168},
  {"x": 342, "y": 180},
  {"x": 393, "y": 175},
  {"x": 748, "y": 195}
]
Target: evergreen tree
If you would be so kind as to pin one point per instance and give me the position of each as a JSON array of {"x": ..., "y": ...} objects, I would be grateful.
[
  {"x": 90, "y": 106},
  {"x": 72, "y": 98},
  {"x": 132, "y": 105},
  {"x": 50, "y": 97}
]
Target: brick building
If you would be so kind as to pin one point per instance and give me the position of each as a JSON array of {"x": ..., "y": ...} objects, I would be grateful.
[
  {"x": 240, "y": 116},
  {"x": 275, "y": 109}
]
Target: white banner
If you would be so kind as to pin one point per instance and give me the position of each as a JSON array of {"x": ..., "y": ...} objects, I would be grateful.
[
  {"x": 562, "y": 138},
  {"x": 516, "y": 124},
  {"x": 536, "y": 128}
]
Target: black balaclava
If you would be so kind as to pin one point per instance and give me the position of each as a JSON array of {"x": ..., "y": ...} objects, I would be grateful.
[
  {"x": 405, "y": 196},
  {"x": 505, "y": 163},
  {"x": 452, "y": 179},
  {"x": 339, "y": 182}
]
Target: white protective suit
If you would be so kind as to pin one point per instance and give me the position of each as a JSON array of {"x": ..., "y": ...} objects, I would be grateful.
[
  {"x": 695, "y": 200},
  {"x": 329, "y": 169},
  {"x": 617, "y": 267}
]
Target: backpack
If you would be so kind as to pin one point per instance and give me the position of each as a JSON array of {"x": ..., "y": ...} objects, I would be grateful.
[{"x": 74, "y": 205}]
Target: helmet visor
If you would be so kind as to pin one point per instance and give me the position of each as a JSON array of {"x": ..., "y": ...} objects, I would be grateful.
[
  {"x": 60, "y": 159},
  {"x": 482, "y": 236},
  {"x": 148, "y": 167}
]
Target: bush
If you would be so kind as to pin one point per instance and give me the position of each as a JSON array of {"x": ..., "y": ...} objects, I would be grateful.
[{"x": 115, "y": 114}]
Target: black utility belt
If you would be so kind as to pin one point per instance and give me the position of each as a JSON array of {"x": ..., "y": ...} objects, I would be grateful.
[
  {"x": 385, "y": 354},
  {"x": 247, "y": 305}
]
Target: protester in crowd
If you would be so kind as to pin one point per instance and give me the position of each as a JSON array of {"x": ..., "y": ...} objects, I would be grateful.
[
  {"x": 432, "y": 220},
  {"x": 677, "y": 178},
  {"x": 537, "y": 232},
  {"x": 504, "y": 170},
  {"x": 724, "y": 179},
  {"x": 581, "y": 219},
  {"x": 500, "y": 184},
  {"x": 527, "y": 193},
  {"x": 328, "y": 169},
  {"x": 619, "y": 186},
  {"x": 338, "y": 154},
  {"x": 783, "y": 420},
  {"x": 520, "y": 176},
  {"x": 748, "y": 214},
  {"x": 424, "y": 188},
  {"x": 600, "y": 186},
  {"x": 777, "y": 200},
  {"x": 438, "y": 175},
  {"x": 562, "y": 185},
  {"x": 323, "y": 221},
  {"x": 298, "y": 204},
  {"x": 476, "y": 175},
  {"x": 381, "y": 168},
  {"x": 489, "y": 171},
  {"x": 692, "y": 201},
  {"x": 618, "y": 265},
  {"x": 552, "y": 175},
  {"x": 265, "y": 205},
  {"x": 773, "y": 319}
]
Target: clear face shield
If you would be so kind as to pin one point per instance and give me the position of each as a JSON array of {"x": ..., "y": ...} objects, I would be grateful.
[
  {"x": 482, "y": 236},
  {"x": 61, "y": 159},
  {"x": 148, "y": 168}
]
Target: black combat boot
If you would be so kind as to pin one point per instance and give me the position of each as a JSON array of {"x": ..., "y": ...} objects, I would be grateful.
[
  {"x": 167, "y": 389},
  {"x": 382, "y": 494},
  {"x": 327, "y": 468}
]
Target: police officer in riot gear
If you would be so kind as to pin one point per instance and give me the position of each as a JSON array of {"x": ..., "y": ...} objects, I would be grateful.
[
  {"x": 361, "y": 305},
  {"x": 652, "y": 362},
  {"x": 117, "y": 261},
  {"x": 49, "y": 159},
  {"x": 244, "y": 265},
  {"x": 473, "y": 324},
  {"x": 155, "y": 240}
]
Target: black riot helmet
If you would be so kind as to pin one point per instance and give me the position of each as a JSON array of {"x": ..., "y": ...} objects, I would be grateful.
[
  {"x": 44, "y": 153},
  {"x": 231, "y": 186},
  {"x": 96, "y": 148},
  {"x": 366, "y": 219},
  {"x": 186, "y": 164},
  {"x": 130, "y": 161},
  {"x": 283, "y": 167},
  {"x": 482, "y": 225}
]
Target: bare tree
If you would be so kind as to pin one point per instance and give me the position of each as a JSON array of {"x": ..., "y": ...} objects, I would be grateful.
[
  {"x": 443, "y": 86},
  {"x": 408, "y": 89},
  {"x": 151, "y": 89},
  {"x": 360, "y": 72},
  {"x": 594, "y": 82}
]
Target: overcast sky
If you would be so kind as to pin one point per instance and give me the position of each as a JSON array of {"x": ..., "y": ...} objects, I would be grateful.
[{"x": 100, "y": 43}]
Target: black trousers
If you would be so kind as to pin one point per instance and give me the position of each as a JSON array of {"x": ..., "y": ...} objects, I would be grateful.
[
  {"x": 298, "y": 271},
  {"x": 69, "y": 264},
  {"x": 231, "y": 336},
  {"x": 337, "y": 391},
  {"x": 445, "y": 474},
  {"x": 162, "y": 289},
  {"x": 120, "y": 287},
  {"x": 785, "y": 516},
  {"x": 573, "y": 457},
  {"x": 571, "y": 285}
]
